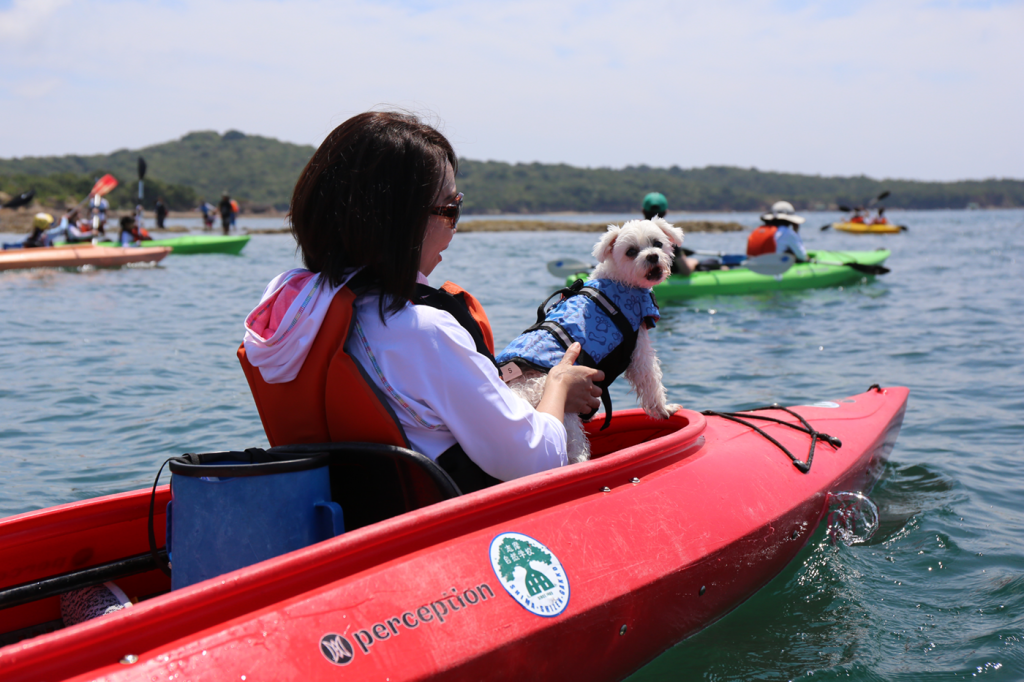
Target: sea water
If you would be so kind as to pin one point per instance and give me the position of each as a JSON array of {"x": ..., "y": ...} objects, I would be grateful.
[{"x": 106, "y": 373}]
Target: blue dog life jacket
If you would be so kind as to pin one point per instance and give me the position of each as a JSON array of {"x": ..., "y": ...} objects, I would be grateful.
[{"x": 603, "y": 315}]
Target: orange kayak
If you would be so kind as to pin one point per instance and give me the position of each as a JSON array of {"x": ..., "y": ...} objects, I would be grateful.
[{"x": 77, "y": 256}]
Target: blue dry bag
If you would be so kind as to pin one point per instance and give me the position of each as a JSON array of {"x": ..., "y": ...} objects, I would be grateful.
[{"x": 234, "y": 509}]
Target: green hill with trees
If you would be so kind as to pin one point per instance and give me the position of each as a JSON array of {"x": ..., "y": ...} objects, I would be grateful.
[{"x": 260, "y": 172}]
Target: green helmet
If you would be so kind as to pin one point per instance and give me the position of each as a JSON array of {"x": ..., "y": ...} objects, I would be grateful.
[{"x": 655, "y": 204}]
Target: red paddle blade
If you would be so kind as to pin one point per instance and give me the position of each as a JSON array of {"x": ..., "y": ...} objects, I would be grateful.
[{"x": 103, "y": 185}]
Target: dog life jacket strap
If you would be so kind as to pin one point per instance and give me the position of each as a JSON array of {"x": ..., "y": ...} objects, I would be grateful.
[
  {"x": 614, "y": 364},
  {"x": 603, "y": 302}
]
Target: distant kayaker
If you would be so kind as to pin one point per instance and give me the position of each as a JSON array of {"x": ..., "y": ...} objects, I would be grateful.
[
  {"x": 99, "y": 206},
  {"x": 161, "y": 212},
  {"x": 41, "y": 222},
  {"x": 880, "y": 219},
  {"x": 372, "y": 211},
  {"x": 140, "y": 216},
  {"x": 73, "y": 230},
  {"x": 778, "y": 234},
  {"x": 226, "y": 212},
  {"x": 131, "y": 233}
]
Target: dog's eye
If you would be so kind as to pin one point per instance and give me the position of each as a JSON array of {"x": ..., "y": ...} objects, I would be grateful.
[
  {"x": 632, "y": 252},
  {"x": 657, "y": 244}
]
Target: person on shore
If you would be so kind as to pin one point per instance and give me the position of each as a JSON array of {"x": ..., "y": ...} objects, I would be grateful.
[
  {"x": 372, "y": 212},
  {"x": 234, "y": 214},
  {"x": 226, "y": 214},
  {"x": 208, "y": 211},
  {"x": 161, "y": 212},
  {"x": 778, "y": 234}
]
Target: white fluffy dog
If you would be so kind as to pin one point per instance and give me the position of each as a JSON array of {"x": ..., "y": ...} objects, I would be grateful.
[{"x": 636, "y": 256}]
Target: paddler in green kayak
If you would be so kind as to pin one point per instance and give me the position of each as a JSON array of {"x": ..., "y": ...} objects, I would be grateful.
[
  {"x": 131, "y": 233},
  {"x": 778, "y": 234},
  {"x": 655, "y": 204}
]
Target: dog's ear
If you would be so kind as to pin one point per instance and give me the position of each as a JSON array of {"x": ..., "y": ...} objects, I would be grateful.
[
  {"x": 672, "y": 232},
  {"x": 604, "y": 247}
]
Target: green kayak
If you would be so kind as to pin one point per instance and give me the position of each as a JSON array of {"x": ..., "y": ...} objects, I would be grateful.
[
  {"x": 198, "y": 243},
  {"x": 835, "y": 268}
]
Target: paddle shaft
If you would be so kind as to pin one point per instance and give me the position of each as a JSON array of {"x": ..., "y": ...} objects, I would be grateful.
[{"x": 74, "y": 580}]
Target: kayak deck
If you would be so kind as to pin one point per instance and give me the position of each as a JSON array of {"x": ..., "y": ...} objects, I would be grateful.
[
  {"x": 77, "y": 256},
  {"x": 863, "y": 228},
  {"x": 671, "y": 525},
  {"x": 738, "y": 281},
  {"x": 193, "y": 244}
]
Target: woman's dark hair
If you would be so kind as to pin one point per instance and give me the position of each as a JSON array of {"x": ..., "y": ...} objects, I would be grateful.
[{"x": 364, "y": 199}]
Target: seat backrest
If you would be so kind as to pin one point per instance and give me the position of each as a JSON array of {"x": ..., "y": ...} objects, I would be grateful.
[
  {"x": 373, "y": 481},
  {"x": 331, "y": 399}
]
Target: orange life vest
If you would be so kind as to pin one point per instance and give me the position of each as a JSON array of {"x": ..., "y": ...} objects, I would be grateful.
[
  {"x": 761, "y": 241},
  {"x": 857, "y": 219},
  {"x": 331, "y": 399}
]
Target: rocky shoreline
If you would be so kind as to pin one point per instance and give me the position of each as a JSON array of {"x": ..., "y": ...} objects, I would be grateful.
[
  {"x": 560, "y": 226},
  {"x": 20, "y": 221}
]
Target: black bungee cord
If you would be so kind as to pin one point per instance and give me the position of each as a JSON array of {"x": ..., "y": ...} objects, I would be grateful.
[{"x": 742, "y": 417}]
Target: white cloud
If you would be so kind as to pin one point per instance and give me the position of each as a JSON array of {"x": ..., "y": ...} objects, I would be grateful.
[
  {"x": 903, "y": 89},
  {"x": 26, "y": 19}
]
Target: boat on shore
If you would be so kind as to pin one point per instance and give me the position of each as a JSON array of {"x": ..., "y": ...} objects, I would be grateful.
[
  {"x": 826, "y": 269},
  {"x": 77, "y": 256},
  {"x": 585, "y": 572}
]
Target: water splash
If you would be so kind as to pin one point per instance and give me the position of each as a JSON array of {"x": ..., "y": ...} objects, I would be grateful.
[{"x": 852, "y": 518}]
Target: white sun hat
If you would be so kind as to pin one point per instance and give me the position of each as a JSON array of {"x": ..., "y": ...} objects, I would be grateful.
[{"x": 783, "y": 210}]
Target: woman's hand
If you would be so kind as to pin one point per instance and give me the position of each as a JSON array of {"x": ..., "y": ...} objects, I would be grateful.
[{"x": 570, "y": 388}]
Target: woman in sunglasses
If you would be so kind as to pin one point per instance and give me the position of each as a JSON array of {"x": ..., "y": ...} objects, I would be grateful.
[{"x": 372, "y": 212}]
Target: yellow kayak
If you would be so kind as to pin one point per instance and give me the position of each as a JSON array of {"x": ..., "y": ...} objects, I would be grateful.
[{"x": 862, "y": 228}]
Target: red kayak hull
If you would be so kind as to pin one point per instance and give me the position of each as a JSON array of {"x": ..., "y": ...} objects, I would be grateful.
[{"x": 671, "y": 526}]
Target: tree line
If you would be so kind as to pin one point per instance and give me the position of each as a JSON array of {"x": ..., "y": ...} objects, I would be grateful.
[{"x": 260, "y": 172}]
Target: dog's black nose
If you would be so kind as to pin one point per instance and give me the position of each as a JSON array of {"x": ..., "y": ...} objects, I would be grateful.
[{"x": 652, "y": 258}]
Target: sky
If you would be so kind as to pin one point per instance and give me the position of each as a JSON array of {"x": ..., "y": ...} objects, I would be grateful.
[{"x": 911, "y": 89}]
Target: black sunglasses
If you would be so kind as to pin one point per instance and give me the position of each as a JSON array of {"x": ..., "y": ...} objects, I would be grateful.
[{"x": 452, "y": 211}]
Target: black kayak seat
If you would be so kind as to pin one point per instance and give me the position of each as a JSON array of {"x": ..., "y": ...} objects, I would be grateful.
[{"x": 373, "y": 481}]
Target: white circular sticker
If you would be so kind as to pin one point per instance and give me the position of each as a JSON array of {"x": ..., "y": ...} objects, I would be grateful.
[{"x": 530, "y": 573}]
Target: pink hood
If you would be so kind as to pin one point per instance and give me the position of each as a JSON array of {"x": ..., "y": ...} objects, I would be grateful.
[{"x": 280, "y": 331}]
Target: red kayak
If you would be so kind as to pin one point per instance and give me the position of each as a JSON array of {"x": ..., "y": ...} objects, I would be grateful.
[{"x": 586, "y": 572}]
